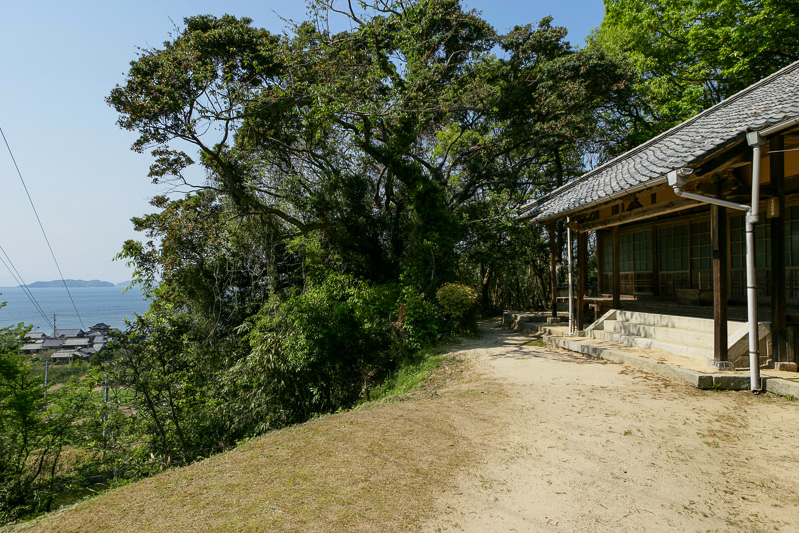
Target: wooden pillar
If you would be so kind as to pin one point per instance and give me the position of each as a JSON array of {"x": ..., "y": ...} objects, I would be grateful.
[
  {"x": 600, "y": 261},
  {"x": 655, "y": 261},
  {"x": 779, "y": 349},
  {"x": 616, "y": 268},
  {"x": 582, "y": 276},
  {"x": 553, "y": 267},
  {"x": 718, "y": 231}
]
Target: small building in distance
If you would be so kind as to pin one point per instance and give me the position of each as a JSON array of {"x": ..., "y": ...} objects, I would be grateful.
[{"x": 67, "y": 345}]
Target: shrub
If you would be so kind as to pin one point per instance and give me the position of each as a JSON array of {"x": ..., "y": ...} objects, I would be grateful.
[
  {"x": 421, "y": 322},
  {"x": 459, "y": 303},
  {"x": 316, "y": 351}
]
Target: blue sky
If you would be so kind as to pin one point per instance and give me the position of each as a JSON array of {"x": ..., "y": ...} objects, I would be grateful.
[{"x": 58, "y": 62}]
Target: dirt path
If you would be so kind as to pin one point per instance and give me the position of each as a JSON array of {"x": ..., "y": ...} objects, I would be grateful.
[{"x": 582, "y": 445}]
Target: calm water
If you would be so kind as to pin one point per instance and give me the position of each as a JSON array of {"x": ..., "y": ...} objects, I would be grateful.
[{"x": 95, "y": 304}]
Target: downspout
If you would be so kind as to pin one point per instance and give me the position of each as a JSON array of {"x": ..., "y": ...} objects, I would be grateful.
[
  {"x": 755, "y": 140},
  {"x": 677, "y": 179},
  {"x": 571, "y": 283}
]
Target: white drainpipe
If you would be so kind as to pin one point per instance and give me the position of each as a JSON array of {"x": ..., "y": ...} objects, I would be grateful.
[
  {"x": 677, "y": 179},
  {"x": 755, "y": 141},
  {"x": 571, "y": 284}
]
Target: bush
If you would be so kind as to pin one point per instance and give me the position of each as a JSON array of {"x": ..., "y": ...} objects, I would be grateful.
[
  {"x": 459, "y": 302},
  {"x": 420, "y": 321},
  {"x": 317, "y": 351}
]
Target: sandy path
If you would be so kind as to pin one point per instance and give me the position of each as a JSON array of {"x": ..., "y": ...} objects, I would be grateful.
[{"x": 584, "y": 445}]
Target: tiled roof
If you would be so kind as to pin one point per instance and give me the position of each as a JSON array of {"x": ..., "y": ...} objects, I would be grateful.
[
  {"x": 32, "y": 347},
  {"x": 76, "y": 341},
  {"x": 767, "y": 102},
  {"x": 52, "y": 343},
  {"x": 69, "y": 333}
]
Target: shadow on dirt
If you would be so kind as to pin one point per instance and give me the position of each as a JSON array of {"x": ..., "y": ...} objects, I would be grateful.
[{"x": 517, "y": 347}]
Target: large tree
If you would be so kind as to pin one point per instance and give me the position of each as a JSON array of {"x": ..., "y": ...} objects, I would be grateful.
[{"x": 380, "y": 137}]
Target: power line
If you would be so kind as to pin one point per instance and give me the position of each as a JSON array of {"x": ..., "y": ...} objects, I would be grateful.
[
  {"x": 58, "y": 267},
  {"x": 24, "y": 286}
]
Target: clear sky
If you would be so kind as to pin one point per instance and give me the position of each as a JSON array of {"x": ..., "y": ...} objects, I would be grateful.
[{"x": 59, "y": 60}]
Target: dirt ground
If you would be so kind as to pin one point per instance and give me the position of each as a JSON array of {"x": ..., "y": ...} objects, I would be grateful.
[{"x": 584, "y": 445}]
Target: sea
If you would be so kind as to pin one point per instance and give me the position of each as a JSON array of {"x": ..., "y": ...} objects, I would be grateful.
[{"x": 94, "y": 305}]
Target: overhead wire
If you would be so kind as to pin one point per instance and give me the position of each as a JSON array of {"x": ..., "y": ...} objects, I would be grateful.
[
  {"x": 24, "y": 286},
  {"x": 52, "y": 254}
]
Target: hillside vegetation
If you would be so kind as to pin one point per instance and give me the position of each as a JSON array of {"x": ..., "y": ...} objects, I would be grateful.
[{"x": 376, "y": 468}]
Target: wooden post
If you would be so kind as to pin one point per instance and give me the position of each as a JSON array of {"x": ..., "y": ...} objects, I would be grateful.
[
  {"x": 616, "y": 268},
  {"x": 582, "y": 276},
  {"x": 553, "y": 267},
  {"x": 779, "y": 347},
  {"x": 718, "y": 231},
  {"x": 655, "y": 262},
  {"x": 600, "y": 261}
]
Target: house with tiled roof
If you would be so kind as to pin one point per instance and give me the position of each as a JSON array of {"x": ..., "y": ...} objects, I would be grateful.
[
  {"x": 69, "y": 333},
  {"x": 672, "y": 221},
  {"x": 52, "y": 344}
]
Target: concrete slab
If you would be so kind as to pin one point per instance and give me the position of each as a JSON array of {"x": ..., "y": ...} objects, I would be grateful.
[
  {"x": 692, "y": 372},
  {"x": 533, "y": 323},
  {"x": 783, "y": 387}
]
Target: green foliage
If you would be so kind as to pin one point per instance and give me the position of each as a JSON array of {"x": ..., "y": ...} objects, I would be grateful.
[
  {"x": 176, "y": 378},
  {"x": 691, "y": 54},
  {"x": 421, "y": 322},
  {"x": 381, "y": 137},
  {"x": 316, "y": 351},
  {"x": 460, "y": 303},
  {"x": 34, "y": 431},
  {"x": 58, "y": 374},
  {"x": 410, "y": 375}
]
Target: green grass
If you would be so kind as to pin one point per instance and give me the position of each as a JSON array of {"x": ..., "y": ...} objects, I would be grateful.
[
  {"x": 62, "y": 374},
  {"x": 538, "y": 342},
  {"x": 374, "y": 469},
  {"x": 408, "y": 377}
]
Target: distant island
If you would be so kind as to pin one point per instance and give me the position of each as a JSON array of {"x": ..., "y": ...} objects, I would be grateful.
[{"x": 70, "y": 283}]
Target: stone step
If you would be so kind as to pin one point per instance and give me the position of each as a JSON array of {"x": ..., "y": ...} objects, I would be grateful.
[
  {"x": 693, "y": 352},
  {"x": 699, "y": 339},
  {"x": 702, "y": 325}
]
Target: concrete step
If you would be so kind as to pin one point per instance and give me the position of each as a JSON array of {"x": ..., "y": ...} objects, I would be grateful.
[
  {"x": 693, "y": 352},
  {"x": 703, "y": 325},
  {"x": 699, "y": 339}
]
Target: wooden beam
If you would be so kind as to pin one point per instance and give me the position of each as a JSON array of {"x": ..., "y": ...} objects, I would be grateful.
[
  {"x": 553, "y": 282},
  {"x": 582, "y": 276},
  {"x": 642, "y": 213},
  {"x": 616, "y": 268},
  {"x": 715, "y": 164},
  {"x": 779, "y": 347},
  {"x": 718, "y": 230},
  {"x": 672, "y": 206}
]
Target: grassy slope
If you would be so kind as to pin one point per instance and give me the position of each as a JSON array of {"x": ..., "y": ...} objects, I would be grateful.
[{"x": 377, "y": 468}]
